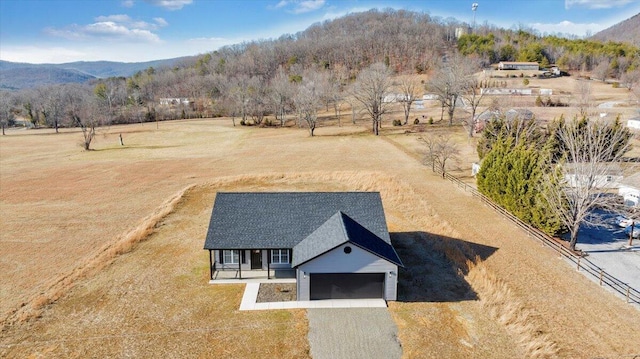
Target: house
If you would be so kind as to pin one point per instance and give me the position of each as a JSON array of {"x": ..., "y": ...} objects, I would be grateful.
[
  {"x": 509, "y": 65},
  {"x": 630, "y": 190},
  {"x": 336, "y": 243},
  {"x": 506, "y": 91},
  {"x": 173, "y": 101},
  {"x": 608, "y": 177},
  {"x": 634, "y": 123}
]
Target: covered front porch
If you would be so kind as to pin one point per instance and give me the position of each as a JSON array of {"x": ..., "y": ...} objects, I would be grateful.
[
  {"x": 246, "y": 264},
  {"x": 255, "y": 275}
]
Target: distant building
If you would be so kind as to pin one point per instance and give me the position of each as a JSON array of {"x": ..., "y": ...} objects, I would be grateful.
[
  {"x": 461, "y": 31},
  {"x": 507, "y": 65},
  {"x": 173, "y": 101},
  {"x": 507, "y": 91},
  {"x": 634, "y": 123},
  {"x": 610, "y": 179},
  {"x": 630, "y": 190}
]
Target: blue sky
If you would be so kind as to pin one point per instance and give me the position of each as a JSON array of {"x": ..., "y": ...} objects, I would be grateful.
[{"x": 57, "y": 31}]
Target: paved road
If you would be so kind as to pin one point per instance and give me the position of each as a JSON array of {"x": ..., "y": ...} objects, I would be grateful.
[{"x": 352, "y": 333}]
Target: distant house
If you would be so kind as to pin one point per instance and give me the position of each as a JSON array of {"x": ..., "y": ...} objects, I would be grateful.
[
  {"x": 634, "y": 123},
  {"x": 174, "y": 101},
  {"x": 609, "y": 179},
  {"x": 336, "y": 243},
  {"x": 506, "y": 91},
  {"x": 508, "y": 65},
  {"x": 630, "y": 190}
]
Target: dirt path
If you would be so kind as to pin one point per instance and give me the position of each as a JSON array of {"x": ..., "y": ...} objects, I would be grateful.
[{"x": 353, "y": 333}]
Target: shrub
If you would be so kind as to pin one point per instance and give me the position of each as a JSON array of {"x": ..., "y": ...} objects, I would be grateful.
[
  {"x": 431, "y": 120},
  {"x": 525, "y": 82},
  {"x": 397, "y": 123},
  {"x": 416, "y": 121},
  {"x": 539, "y": 101},
  {"x": 243, "y": 123},
  {"x": 615, "y": 85}
]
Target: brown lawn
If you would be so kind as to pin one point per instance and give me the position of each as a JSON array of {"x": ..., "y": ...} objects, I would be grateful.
[{"x": 102, "y": 250}]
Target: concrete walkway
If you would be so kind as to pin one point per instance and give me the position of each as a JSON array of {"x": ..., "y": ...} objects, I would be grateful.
[
  {"x": 251, "y": 294},
  {"x": 353, "y": 333}
]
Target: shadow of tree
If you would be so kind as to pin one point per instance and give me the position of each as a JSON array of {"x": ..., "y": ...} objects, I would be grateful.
[{"x": 435, "y": 267}]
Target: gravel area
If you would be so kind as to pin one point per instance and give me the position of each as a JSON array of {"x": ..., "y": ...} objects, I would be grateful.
[
  {"x": 276, "y": 292},
  {"x": 353, "y": 333}
]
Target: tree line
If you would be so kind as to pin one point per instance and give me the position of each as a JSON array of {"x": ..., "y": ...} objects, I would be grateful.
[{"x": 297, "y": 74}]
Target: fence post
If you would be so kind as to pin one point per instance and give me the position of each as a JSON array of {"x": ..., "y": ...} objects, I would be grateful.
[
  {"x": 600, "y": 276},
  {"x": 578, "y": 269}
]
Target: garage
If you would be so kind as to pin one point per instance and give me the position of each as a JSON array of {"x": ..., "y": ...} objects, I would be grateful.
[{"x": 346, "y": 285}]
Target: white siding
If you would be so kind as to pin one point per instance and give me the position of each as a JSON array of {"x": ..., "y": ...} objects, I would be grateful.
[{"x": 358, "y": 261}]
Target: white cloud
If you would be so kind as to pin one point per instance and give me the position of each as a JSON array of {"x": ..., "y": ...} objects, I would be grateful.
[
  {"x": 127, "y": 3},
  {"x": 300, "y": 6},
  {"x": 170, "y": 4},
  {"x": 307, "y": 6},
  {"x": 160, "y": 21},
  {"x": 41, "y": 54},
  {"x": 568, "y": 27},
  {"x": 596, "y": 4},
  {"x": 112, "y": 27}
]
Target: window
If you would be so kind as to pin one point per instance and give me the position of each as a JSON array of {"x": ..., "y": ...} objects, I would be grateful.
[
  {"x": 230, "y": 256},
  {"x": 279, "y": 256}
]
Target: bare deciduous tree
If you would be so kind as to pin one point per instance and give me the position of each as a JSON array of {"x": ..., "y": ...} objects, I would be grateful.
[
  {"x": 583, "y": 96},
  {"x": 440, "y": 149},
  {"x": 307, "y": 100},
  {"x": 369, "y": 90},
  {"x": 631, "y": 79},
  {"x": 450, "y": 81},
  {"x": 281, "y": 95},
  {"x": 408, "y": 87},
  {"x": 51, "y": 105},
  {"x": 573, "y": 185},
  {"x": 601, "y": 72},
  {"x": 84, "y": 111},
  {"x": 6, "y": 109}
]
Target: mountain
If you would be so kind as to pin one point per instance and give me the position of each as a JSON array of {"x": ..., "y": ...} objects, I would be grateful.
[
  {"x": 29, "y": 76},
  {"x": 16, "y": 75},
  {"x": 626, "y": 31}
]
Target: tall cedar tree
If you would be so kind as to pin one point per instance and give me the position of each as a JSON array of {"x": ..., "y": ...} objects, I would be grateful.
[{"x": 511, "y": 176}]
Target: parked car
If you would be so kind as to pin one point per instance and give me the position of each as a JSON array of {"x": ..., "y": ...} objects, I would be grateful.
[
  {"x": 636, "y": 231},
  {"x": 624, "y": 222}
]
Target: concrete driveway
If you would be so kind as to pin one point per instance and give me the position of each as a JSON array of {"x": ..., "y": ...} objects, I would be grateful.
[{"x": 350, "y": 333}]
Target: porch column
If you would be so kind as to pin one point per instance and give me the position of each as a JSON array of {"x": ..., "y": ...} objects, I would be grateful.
[
  {"x": 268, "y": 263},
  {"x": 239, "y": 264},
  {"x": 210, "y": 264}
]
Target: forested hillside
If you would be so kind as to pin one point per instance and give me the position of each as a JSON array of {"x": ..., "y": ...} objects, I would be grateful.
[
  {"x": 258, "y": 78},
  {"x": 16, "y": 75},
  {"x": 626, "y": 31}
]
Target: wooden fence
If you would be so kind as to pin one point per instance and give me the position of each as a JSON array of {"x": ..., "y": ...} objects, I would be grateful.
[{"x": 631, "y": 295}]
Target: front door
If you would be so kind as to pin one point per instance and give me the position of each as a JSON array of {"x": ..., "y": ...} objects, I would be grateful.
[{"x": 256, "y": 259}]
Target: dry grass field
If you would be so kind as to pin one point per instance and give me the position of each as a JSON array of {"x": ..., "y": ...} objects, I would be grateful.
[{"x": 102, "y": 250}]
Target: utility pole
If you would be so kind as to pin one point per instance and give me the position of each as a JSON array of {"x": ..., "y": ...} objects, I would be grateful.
[{"x": 474, "y": 7}]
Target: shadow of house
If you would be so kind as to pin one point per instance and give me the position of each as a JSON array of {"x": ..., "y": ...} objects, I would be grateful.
[{"x": 435, "y": 267}]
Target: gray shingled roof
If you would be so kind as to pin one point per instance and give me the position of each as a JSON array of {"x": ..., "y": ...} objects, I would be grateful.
[
  {"x": 271, "y": 220},
  {"x": 340, "y": 229}
]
